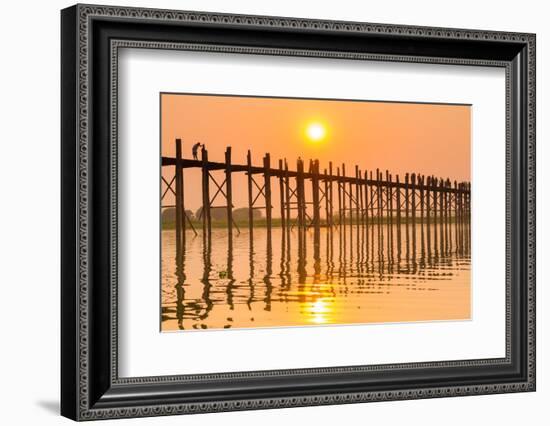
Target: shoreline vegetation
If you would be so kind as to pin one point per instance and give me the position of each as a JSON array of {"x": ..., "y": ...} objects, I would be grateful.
[
  {"x": 240, "y": 219},
  {"x": 277, "y": 222}
]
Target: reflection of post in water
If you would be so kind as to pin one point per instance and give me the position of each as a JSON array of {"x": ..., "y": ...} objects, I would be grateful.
[
  {"x": 267, "y": 277},
  {"x": 207, "y": 262},
  {"x": 413, "y": 251},
  {"x": 180, "y": 289},
  {"x": 251, "y": 273},
  {"x": 231, "y": 279},
  {"x": 330, "y": 254}
]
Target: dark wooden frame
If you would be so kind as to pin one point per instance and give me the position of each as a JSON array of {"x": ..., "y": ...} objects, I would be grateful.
[{"x": 90, "y": 386}]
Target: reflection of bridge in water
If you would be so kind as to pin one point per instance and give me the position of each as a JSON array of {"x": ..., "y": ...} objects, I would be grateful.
[{"x": 380, "y": 229}]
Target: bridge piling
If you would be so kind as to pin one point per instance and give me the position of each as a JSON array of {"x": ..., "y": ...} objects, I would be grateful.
[
  {"x": 229, "y": 195},
  {"x": 365, "y": 198}
]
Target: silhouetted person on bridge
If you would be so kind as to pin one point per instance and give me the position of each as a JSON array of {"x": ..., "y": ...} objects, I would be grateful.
[{"x": 196, "y": 150}]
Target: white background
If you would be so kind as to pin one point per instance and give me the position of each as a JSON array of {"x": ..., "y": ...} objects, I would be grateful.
[
  {"x": 29, "y": 225},
  {"x": 141, "y": 345}
]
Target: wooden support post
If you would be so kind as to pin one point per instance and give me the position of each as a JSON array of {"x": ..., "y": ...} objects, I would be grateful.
[
  {"x": 206, "y": 218},
  {"x": 357, "y": 203},
  {"x": 267, "y": 189},
  {"x": 455, "y": 227},
  {"x": 448, "y": 213},
  {"x": 413, "y": 211},
  {"x": 229, "y": 195},
  {"x": 465, "y": 215},
  {"x": 282, "y": 196},
  {"x": 387, "y": 194},
  {"x": 180, "y": 219},
  {"x": 331, "y": 204},
  {"x": 316, "y": 209},
  {"x": 250, "y": 196},
  {"x": 407, "y": 198},
  {"x": 344, "y": 204},
  {"x": 350, "y": 197},
  {"x": 379, "y": 197},
  {"x": 327, "y": 200},
  {"x": 361, "y": 184},
  {"x": 371, "y": 195},
  {"x": 421, "y": 186},
  {"x": 468, "y": 210},
  {"x": 428, "y": 202},
  {"x": 413, "y": 198},
  {"x": 390, "y": 207},
  {"x": 428, "y": 190},
  {"x": 468, "y": 195},
  {"x": 459, "y": 216},
  {"x": 339, "y": 198},
  {"x": 441, "y": 215},
  {"x": 348, "y": 194},
  {"x": 299, "y": 193},
  {"x": 435, "y": 198},
  {"x": 441, "y": 204},
  {"x": 398, "y": 202},
  {"x": 287, "y": 197},
  {"x": 365, "y": 180}
]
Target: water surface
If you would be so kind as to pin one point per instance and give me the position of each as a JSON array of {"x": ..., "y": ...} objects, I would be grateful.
[{"x": 372, "y": 274}]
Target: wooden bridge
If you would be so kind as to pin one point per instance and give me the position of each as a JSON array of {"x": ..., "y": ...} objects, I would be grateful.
[{"x": 364, "y": 197}]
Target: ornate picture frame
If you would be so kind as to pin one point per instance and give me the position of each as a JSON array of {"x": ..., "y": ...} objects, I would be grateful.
[{"x": 91, "y": 38}]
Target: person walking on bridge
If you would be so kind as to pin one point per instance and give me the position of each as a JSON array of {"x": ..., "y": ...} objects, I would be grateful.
[{"x": 196, "y": 150}]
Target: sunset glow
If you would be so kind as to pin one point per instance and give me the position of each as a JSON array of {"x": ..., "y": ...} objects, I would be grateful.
[
  {"x": 312, "y": 212},
  {"x": 316, "y": 132}
]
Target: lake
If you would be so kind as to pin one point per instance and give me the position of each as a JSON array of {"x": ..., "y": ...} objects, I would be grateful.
[{"x": 373, "y": 274}]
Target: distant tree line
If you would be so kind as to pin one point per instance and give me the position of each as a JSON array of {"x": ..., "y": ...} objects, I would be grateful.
[{"x": 218, "y": 214}]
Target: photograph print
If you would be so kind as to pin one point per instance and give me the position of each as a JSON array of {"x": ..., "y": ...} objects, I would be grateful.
[{"x": 295, "y": 212}]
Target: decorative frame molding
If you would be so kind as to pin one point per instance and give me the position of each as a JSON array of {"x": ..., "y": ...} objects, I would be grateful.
[{"x": 91, "y": 388}]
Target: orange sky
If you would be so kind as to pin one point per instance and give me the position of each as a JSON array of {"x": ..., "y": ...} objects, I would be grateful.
[{"x": 401, "y": 137}]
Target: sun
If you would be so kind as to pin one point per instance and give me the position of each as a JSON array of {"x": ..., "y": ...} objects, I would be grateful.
[{"x": 316, "y": 132}]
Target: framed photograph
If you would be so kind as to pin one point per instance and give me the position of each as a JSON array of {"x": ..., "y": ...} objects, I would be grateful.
[{"x": 263, "y": 212}]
